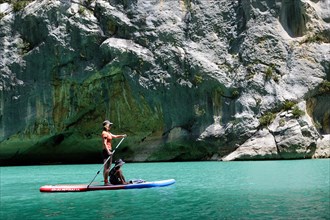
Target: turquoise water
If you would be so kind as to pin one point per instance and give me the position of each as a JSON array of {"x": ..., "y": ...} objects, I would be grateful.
[{"x": 209, "y": 190}]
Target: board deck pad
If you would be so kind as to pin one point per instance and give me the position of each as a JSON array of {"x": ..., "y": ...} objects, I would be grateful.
[{"x": 92, "y": 187}]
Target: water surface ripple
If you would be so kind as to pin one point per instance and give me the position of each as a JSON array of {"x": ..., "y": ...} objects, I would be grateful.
[{"x": 210, "y": 190}]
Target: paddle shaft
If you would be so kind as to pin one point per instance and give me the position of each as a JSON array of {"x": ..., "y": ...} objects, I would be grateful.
[{"x": 106, "y": 161}]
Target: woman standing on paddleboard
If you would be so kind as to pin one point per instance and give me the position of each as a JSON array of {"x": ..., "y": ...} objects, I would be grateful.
[{"x": 107, "y": 148}]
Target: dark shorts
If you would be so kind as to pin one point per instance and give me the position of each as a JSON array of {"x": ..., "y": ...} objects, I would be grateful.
[{"x": 105, "y": 154}]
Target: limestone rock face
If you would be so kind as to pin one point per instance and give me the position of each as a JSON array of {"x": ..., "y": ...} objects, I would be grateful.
[
  {"x": 261, "y": 146},
  {"x": 186, "y": 80}
]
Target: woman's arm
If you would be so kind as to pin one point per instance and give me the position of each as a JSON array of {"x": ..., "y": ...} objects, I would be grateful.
[{"x": 119, "y": 135}]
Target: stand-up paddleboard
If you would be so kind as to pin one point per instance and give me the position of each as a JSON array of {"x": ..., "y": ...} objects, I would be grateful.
[{"x": 86, "y": 187}]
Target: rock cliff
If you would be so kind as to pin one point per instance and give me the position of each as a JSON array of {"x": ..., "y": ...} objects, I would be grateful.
[{"x": 184, "y": 79}]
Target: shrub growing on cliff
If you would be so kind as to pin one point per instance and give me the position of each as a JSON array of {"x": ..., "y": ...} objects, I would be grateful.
[
  {"x": 5, "y": 1},
  {"x": 297, "y": 112},
  {"x": 325, "y": 87},
  {"x": 281, "y": 122},
  {"x": 267, "y": 119},
  {"x": 198, "y": 79},
  {"x": 81, "y": 10},
  {"x": 235, "y": 94},
  {"x": 19, "y": 5},
  {"x": 24, "y": 47},
  {"x": 316, "y": 38},
  {"x": 288, "y": 105},
  {"x": 269, "y": 73}
]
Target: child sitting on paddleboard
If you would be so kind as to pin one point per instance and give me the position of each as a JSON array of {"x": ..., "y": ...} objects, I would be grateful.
[{"x": 116, "y": 174}]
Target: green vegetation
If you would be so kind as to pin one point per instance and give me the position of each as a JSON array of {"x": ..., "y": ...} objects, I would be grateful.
[
  {"x": 250, "y": 76},
  {"x": 235, "y": 93},
  {"x": 19, "y": 5},
  {"x": 261, "y": 39},
  {"x": 288, "y": 105},
  {"x": 317, "y": 125},
  {"x": 297, "y": 112},
  {"x": 199, "y": 111},
  {"x": 187, "y": 4},
  {"x": 269, "y": 72},
  {"x": 258, "y": 101},
  {"x": 282, "y": 122},
  {"x": 250, "y": 72},
  {"x": 198, "y": 79},
  {"x": 24, "y": 47},
  {"x": 14, "y": 1},
  {"x": 81, "y": 10},
  {"x": 112, "y": 27},
  {"x": 267, "y": 119},
  {"x": 324, "y": 87},
  {"x": 316, "y": 38}
]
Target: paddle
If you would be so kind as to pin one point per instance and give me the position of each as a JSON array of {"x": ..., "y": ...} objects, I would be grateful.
[{"x": 106, "y": 161}]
